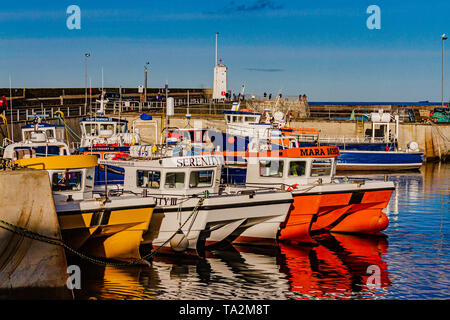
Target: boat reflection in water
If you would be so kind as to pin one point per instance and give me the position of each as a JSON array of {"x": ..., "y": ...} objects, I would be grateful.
[
  {"x": 338, "y": 268},
  {"x": 341, "y": 267}
]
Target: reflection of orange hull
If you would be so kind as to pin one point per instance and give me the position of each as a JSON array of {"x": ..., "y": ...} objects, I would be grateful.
[
  {"x": 357, "y": 212},
  {"x": 337, "y": 268}
]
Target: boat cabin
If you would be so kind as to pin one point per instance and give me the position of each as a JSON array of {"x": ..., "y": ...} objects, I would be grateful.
[
  {"x": 292, "y": 166},
  {"x": 106, "y": 131},
  {"x": 242, "y": 117},
  {"x": 51, "y": 132},
  {"x": 247, "y": 124},
  {"x": 174, "y": 175},
  {"x": 71, "y": 177},
  {"x": 381, "y": 131},
  {"x": 38, "y": 140}
]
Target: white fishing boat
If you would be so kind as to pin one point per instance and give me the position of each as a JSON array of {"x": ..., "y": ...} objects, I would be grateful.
[
  {"x": 39, "y": 139},
  {"x": 107, "y": 131},
  {"x": 189, "y": 198}
]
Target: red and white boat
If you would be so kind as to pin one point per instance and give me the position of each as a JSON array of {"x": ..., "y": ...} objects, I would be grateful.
[{"x": 322, "y": 203}]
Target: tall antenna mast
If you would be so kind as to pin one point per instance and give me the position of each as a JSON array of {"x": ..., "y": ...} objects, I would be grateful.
[
  {"x": 11, "y": 106},
  {"x": 217, "y": 34}
]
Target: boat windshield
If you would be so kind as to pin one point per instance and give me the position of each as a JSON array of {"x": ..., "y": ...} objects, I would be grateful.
[
  {"x": 297, "y": 168},
  {"x": 201, "y": 179},
  {"x": 271, "y": 168},
  {"x": 174, "y": 180},
  {"x": 90, "y": 177},
  {"x": 67, "y": 181},
  {"x": 321, "y": 168},
  {"x": 148, "y": 179},
  {"x": 91, "y": 129},
  {"x": 49, "y": 133}
]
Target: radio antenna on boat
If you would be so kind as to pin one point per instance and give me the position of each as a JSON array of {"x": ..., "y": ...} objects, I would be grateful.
[
  {"x": 11, "y": 106},
  {"x": 101, "y": 101},
  {"x": 188, "y": 115}
]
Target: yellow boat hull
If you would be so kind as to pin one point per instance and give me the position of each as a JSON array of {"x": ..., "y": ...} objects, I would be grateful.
[{"x": 118, "y": 236}]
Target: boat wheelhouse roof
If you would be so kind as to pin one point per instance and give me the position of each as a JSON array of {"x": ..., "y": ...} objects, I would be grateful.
[
  {"x": 103, "y": 119},
  {"x": 59, "y": 162},
  {"x": 187, "y": 129},
  {"x": 42, "y": 125},
  {"x": 201, "y": 161},
  {"x": 245, "y": 113},
  {"x": 294, "y": 131},
  {"x": 302, "y": 152},
  {"x": 103, "y": 148}
]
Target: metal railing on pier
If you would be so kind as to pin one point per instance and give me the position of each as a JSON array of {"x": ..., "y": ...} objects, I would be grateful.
[
  {"x": 210, "y": 106},
  {"x": 199, "y": 105}
]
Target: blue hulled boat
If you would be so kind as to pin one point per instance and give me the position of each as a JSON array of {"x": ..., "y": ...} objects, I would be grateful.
[{"x": 376, "y": 150}]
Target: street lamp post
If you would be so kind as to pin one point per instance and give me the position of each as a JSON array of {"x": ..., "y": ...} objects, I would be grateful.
[
  {"x": 145, "y": 84},
  {"x": 86, "y": 55},
  {"x": 442, "y": 93}
]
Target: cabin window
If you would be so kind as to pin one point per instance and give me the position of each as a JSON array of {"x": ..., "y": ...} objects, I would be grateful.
[
  {"x": 122, "y": 127},
  {"x": 49, "y": 133},
  {"x": 297, "y": 168},
  {"x": 187, "y": 136},
  {"x": 174, "y": 180},
  {"x": 90, "y": 177},
  {"x": 237, "y": 119},
  {"x": 109, "y": 127},
  {"x": 60, "y": 134},
  {"x": 198, "y": 135},
  {"x": 26, "y": 135},
  {"x": 109, "y": 156},
  {"x": 321, "y": 168},
  {"x": 91, "y": 129},
  {"x": 67, "y": 181},
  {"x": 228, "y": 118},
  {"x": 250, "y": 119},
  {"x": 271, "y": 168},
  {"x": 148, "y": 179},
  {"x": 201, "y": 179}
]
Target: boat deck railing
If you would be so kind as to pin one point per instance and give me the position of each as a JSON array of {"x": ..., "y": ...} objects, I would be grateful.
[
  {"x": 351, "y": 139},
  {"x": 224, "y": 190}
]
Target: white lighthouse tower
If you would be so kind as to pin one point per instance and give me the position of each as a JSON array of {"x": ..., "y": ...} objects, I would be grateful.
[{"x": 220, "y": 78}]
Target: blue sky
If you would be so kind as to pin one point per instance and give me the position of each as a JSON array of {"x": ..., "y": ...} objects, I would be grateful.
[{"x": 321, "y": 48}]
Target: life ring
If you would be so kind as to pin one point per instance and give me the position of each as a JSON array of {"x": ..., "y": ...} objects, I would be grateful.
[{"x": 294, "y": 186}]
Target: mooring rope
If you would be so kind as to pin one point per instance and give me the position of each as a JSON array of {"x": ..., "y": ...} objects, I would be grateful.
[
  {"x": 55, "y": 241},
  {"x": 72, "y": 133},
  {"x": 199, "y": 204}
]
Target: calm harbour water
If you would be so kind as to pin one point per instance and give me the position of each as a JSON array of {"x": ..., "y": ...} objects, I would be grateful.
[{"x": 413, "y": 260}]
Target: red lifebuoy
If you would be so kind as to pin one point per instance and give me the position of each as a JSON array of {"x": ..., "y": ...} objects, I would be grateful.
[{"x": 294, "y": 186}]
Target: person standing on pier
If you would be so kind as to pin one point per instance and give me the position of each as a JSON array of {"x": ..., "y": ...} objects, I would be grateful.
[{"x": 3, "y": 104}]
